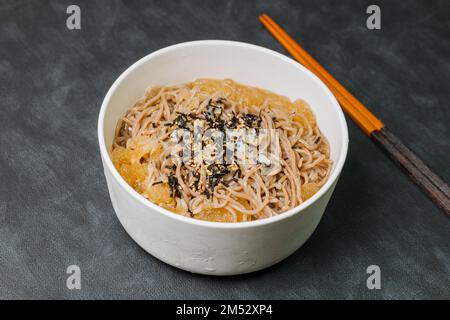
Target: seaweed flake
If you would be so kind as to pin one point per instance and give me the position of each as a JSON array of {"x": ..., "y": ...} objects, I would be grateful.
[{"x": 174, "y": 186}]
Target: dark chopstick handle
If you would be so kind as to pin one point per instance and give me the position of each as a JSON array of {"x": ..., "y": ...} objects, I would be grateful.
[{"x": 420, "y": 173}]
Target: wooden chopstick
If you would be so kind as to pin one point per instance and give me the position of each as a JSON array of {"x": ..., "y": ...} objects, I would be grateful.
[
  {"x": 434, "y": 187},
  {"x": 420, "y": 173},
  {"x": 355, "y": 109}
]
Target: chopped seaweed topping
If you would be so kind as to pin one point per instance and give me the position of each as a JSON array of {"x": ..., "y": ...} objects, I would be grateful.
[
  {"x": 251, "y": 120},
  {"x": 181, "y": 120},
  {"x": 213, "y": 114},
  {"x": 175, "y": 189},
  {"x": 213, "y": 117}
]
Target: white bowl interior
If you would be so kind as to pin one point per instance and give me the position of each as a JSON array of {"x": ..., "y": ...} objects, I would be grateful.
[{"x": 244, "y": 63}]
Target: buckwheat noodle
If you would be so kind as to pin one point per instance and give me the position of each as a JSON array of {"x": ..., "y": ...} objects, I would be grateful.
[{"x": 143, "y": 151}]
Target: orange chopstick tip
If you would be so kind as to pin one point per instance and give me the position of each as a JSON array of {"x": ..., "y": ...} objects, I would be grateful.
[{"x": 367, "y": 121}]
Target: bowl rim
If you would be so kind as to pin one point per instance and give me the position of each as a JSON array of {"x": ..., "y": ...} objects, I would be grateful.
[{"x": 222, "y": 225}]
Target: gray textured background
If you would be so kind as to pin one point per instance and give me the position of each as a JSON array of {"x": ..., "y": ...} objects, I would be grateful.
[{"x": 54, "y": 206}]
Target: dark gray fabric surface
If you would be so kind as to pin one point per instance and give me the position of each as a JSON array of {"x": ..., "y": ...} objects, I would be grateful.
[{"x": 54, "y": 205}]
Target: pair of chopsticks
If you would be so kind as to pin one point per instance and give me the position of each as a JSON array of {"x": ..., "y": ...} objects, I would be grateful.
[{"x": 420, "y": 173}]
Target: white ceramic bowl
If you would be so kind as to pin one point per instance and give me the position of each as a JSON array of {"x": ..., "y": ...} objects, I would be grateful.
[{"x": 211, "y": 247}]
